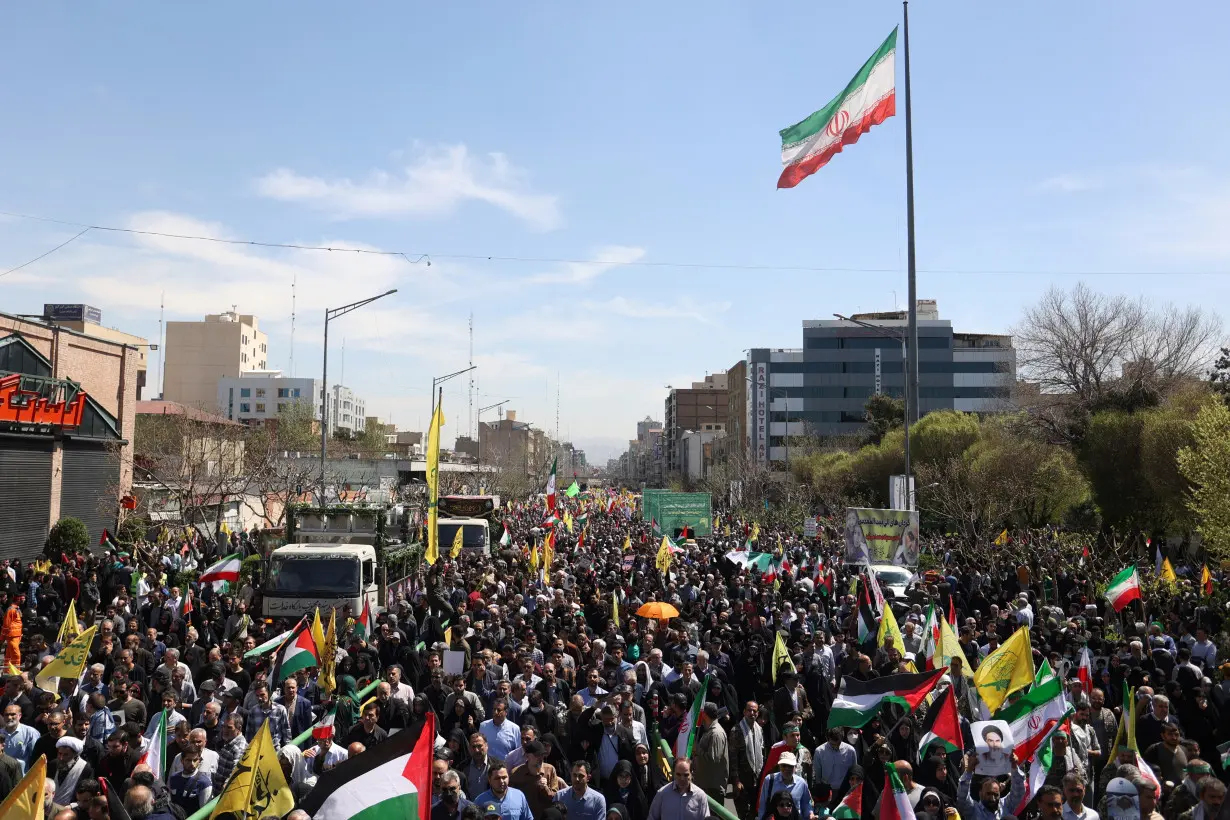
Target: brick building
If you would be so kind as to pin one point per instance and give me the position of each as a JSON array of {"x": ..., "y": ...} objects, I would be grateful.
[{"x": 67, "y": 414}]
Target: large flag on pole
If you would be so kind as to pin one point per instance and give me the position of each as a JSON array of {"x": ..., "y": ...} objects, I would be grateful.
[
  {"x": 70, "y": 628},
  {"x": 1007, "y": 669},
  {"x": 551, "y": 487},
  {"x": 155, "y": 755},
  {"x": 299, "y": 652},
  {"x": 1034, "y": 715},
  {"x": 1123, "y": 589},
  {"x": 868, "y": 99},
  {"x": 432, "y": 554},
  {"x": 390, "y": 781},
  {"x": 895, "y": 800},
  {"x": 69, "y": 661},
  {"x": 942, "y": 724}
]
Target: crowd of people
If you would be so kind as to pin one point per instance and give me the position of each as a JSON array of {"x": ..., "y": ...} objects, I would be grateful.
[{"x": 559, "y": 701}]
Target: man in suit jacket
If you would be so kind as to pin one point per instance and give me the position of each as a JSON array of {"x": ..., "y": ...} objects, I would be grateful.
[
  {"x": 609, "y": 743},
  {"x": 298, "y": 709}
]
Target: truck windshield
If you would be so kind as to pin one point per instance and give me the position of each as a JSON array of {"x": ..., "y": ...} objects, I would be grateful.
[
  {"x": 472, "y": 536},
  {"x": 313, "y": 576}
]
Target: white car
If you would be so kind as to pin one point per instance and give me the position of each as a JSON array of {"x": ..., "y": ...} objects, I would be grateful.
[{"x": 892, "y": 578}]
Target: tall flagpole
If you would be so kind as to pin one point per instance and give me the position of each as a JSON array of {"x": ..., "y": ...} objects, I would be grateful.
[{"x": 912, "y": 408}]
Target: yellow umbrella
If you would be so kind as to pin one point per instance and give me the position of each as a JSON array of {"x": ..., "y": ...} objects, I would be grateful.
[{"x": 658, "y": 611}]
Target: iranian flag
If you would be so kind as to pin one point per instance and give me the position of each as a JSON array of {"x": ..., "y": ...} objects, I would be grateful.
[
  {"x": 687, "y": 730},
  {"x": 299, "y": 652},
  {"x": 860, "y": 701},
  {"x": 899, "y": 807},
  {"x": 1038, "y": 770},
  {"x": 1123, "y": 589},
  {"x": 225, "y": 570},
  {"x": 929, "y": 647},
  {"x": 1035, "y": 715},
  {"x": 155, "y": 755},
  {"x": 390, "y": 781},
  {"x": 869, "y": 99},
  {"x": 851, "y": 806},
  {"x": 551, "y": 488},
  {"x": 1084, "y": 672}
]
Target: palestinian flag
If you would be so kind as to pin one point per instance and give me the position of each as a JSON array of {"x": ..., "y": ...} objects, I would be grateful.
[
  {"x": 869, "y": 99},
  {"x": 942, "y": 725},
  {"x": 1034, "y": 715},
  {"x": 225, "y": 570},
  {"x": 653, "y": 522},
  {"x": 107, "y": 541},
  {"x": 1123, "y": 589},
  {"x": 851, "y": 806},
  {"x": 390, "y": 781},
  {"x": 363, "y": 626},
  {"x": 299, "y": 652},
  {"x": 551, "y": 488},
  {"x": 687, "y": 730},
  {"x": 156, "y": 754},
  {"x": 860, "y": 701},
  {"x": 899, "y": 807},
  {"x": 823, "y": 580},
  {"x": 506, "y": 538},
  {"x": 868, "y": 623}
]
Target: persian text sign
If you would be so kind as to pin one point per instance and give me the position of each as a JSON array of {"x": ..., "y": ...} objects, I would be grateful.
[{"x": 881, "y": 536}]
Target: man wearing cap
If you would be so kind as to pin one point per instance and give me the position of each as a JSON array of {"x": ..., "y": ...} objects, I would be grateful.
[
  {"x": 783, "y": 780},
  {"x": 1187, "y": 793},
  {"x": 537, "y": 780},
  {"x": 501, "y": 799}
]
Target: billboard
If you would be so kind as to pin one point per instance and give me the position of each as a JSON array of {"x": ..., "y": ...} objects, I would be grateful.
[
  {"x": 673, "y": 510},
  {"x": 72, "y": 313},
  {"x": 882, "y": 536}
]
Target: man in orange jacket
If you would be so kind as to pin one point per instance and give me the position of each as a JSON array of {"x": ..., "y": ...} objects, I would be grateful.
[{"x": 10, "y": 633}]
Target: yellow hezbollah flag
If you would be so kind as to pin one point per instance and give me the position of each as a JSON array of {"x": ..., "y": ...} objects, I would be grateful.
[
  {"x": 456, "y": 543},
  {"x": 25, "y": 801},
  {"x": 1001, "y": 539},
  {"x": 663, "y": 561},
  {"x": 321, "y": 641},
  {"x": 755, "y": 532},
  {"x": 326, "y": 679},
  {"x": 70, "y": 628},
  {"x": 568, "y": 521},
  {"x": 950, "y": 648},
  {"x": 615, "y": 608},
  {"x": 1004, "y": 671},
  {"x": 628, "y": 545},
  {"x": 534, "y": 559},
  {"x": 781, "y": 656},
  {"x": 71, "y": 660},
  {"x": 257, "y": 788},
  {"x": 548, "y": 556},
  {"x": 1168, "y": 573},
  {"x": 433, "y": 485},
  {"x": 890, "y": 633}
]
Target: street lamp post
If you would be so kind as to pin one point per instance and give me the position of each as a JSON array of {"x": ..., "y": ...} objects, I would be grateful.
[
  {"x": 330, "y": 314},
  {"x": 439, "y": 380},
  {"x": 479, "y": 419},
  {"x": 905, "y": 393}
]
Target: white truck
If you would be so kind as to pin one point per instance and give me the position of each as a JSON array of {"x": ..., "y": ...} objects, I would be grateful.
[{"x": 331, "y": 563}]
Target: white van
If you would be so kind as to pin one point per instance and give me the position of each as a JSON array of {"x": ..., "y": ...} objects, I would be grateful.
[{"x": 475, "y": 535}]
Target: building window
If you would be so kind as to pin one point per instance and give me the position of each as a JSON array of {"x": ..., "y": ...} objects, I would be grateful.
[
  {"x": 283, "y": 392},
  {"x": 260, "y": 392},
  {"x": 262, "y": 364},
  {"x": 245, "y": 339},
  {"x": 294, "y": 392},
  {"x": 245, "y": 392},
  {"x": 281, "y": 407},
  {"x": 260, "y": 407},
  {"x": 244, "y": 407},
  {"x": 245, "y": 358}
]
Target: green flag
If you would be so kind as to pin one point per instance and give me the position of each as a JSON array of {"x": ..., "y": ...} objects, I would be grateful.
[{"x": 573, "y": 491}]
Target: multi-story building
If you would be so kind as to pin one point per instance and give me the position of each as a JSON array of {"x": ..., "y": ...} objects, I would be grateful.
[
  {"x": 258, "y": 396},
  {"x": 823, "y": 387},
  {"x": 701, "y": 407},
  {"x": 67, "y": 415},
  {"x": 508, "y": 444},
  {"x": 348, "y": 412},
  {"x": 87, "y": 321},
  {"x": 199, "y": 354}
]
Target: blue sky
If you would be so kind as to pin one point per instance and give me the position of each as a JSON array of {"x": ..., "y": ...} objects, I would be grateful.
[{"x": 1058, "y": 141}]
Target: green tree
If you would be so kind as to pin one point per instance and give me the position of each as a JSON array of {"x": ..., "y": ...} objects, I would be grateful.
[
  {"x": 942, "y": 435},
  {"x": 883, "y": 413},
  {"x": 1206, "y": 464},
  {"x": 69, "y": 535},
  {"x": 1110, "y": 457}
]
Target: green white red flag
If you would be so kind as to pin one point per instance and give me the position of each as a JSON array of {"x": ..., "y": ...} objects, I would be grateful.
[
  {"x": 687, "y": 731},
  {"x": 869, "y": 99},
  {"x": 363, "y": 626},
  {"x": 225, "y": 570},
  {"x": 551, "y": 488},
  {"x": 1123, "y": 589},
  {"x": 894, "y": 800},
  {"x": 155, "y": 755},
  {"x": 860, "y": 701}
]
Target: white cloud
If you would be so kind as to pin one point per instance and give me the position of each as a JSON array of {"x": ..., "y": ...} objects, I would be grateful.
[
  {"x": 1070, "y": 183},
  {"x": 604, "y": 259},
  {"x": 437, "y": 181},
  {"x": 622, "y": 306}
]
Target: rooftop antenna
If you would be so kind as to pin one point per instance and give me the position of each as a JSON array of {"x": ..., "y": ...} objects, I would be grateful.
[{"x": 294, "y": 280}]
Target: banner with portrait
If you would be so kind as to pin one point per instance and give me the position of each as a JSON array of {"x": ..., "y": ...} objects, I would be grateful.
[{"x": 882, "y": 536}]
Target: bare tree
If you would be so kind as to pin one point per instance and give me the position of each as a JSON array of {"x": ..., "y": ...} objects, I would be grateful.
[{"x": 1086, "y": 350}]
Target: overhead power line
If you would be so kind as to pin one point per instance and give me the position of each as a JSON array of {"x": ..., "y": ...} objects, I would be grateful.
[{"x": 415, "y": 257}]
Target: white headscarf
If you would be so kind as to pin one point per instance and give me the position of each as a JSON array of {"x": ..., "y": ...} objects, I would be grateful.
[
  {"x": 66, "y": 781},
  {"x": 299, "y": 770}
]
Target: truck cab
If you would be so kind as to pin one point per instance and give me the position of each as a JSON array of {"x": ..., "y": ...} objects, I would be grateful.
[
  {"x": 475, "y": 535},
  {"x": 304, "y": 577}
]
